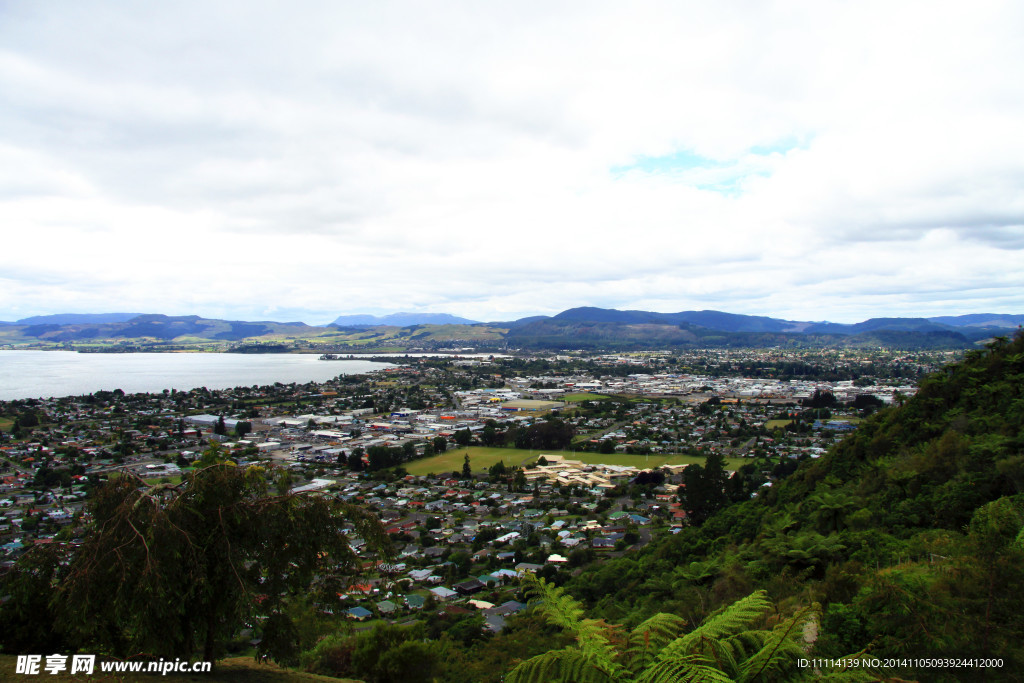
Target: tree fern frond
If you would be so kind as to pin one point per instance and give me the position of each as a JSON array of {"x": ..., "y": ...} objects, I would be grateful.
[
  {"x": 745, "y": 643},
  {"x": 781, "y": 649},
  {"x": 569, "y": 664},
  {"x": 661, "y": 625},
  {"x": 564, "y": 611},
  {"x": 685, "y": 669},
  {"x": 646, "y": 640},
  {"x": 720, "y": 651},
  {"x": 729, "y": 621}
]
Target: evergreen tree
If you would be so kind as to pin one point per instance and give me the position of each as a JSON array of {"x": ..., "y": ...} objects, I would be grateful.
[{"x": 355, "y": 460}]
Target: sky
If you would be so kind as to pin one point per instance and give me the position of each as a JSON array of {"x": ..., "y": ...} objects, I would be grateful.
[{"x": 265, "y": 160}]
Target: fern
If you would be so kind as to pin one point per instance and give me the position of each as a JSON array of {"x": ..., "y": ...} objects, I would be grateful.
[
  {"x": 683, "y": 670},
  {"x": 723, "y": 649},
  {"x": 564, "y": 611},
  {"x": 780, "y": 651},
  {"x": 648, "y": 639},
  {"x": 745, "y": 643},
  {"x": 567, "y": 664},
  {"x": 722, "y": 624}
]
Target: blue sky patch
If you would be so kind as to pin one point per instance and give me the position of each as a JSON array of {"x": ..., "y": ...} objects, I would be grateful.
[
  {"x": 679, "y": 161},
  {"x": 725, "y": 177}
]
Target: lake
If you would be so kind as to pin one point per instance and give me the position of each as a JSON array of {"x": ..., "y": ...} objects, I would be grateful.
[{"x": 42, "y": 374}]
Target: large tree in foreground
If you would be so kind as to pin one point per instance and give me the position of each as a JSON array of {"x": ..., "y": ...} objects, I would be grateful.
[{"x": 175, "y": 571}]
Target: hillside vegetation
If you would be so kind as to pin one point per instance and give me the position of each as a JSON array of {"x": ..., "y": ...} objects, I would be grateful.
[{"x": 909, "y": 533}]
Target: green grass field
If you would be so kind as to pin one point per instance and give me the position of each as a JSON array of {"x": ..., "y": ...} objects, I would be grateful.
[
  {"x": 584, "y": 396},
  {"x": 481, "y": 458},
  {"x": 776, "y": 424},
  {"x": 530, "y": 404},
  {"x": 158, "y": 481}
]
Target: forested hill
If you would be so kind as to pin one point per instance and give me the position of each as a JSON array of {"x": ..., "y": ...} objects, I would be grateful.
[{"x": 909, "y": 533}]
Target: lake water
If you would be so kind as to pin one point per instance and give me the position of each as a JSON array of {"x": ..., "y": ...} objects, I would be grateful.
[{"x": 42, "y": 374}]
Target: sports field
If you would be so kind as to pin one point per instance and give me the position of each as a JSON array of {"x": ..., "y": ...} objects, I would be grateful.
[
  {"x": 481, "y": 458},
  {"x": 531, "y": 404},
  {"x": 584, "y": 396}
]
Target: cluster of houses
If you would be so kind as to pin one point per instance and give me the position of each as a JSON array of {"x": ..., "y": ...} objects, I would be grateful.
[
  {"x": 466, "y": 542},
  {"x": 461, "y": 542}
]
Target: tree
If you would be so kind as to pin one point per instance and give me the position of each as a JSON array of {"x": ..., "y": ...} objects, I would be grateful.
[
  {"x": 171, "y": 569},
  {"x": 723, "y": 648},
  {"x": 467, "y": 473},
  {"x": 489, "y": 435},
  {"x": 703, "y": 490},
  {"x": 497, "y": 471},
  {"x": 463, "y": 437},
  {"x": 213, "y": 454},
  {"x": 27, "y": 612},
  {"x": 355, "y": 459},
  {"x": 409, "y": 450},
  {"x": 242, "y": 428},
  {"x": 440, "y": 444},
  {"x": 220, "y": 428}
]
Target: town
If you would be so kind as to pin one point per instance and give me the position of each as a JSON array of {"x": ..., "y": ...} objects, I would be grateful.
[{"x": 480, "y": 467}]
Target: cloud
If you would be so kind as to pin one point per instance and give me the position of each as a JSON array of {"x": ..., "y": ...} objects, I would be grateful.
[{"x": 818, "y": 159}]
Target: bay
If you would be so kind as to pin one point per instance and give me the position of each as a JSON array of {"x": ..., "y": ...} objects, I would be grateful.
[{"x": 44, "y": 374}]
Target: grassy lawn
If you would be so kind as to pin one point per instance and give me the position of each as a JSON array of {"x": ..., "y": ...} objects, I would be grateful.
[
  {"x": 232, "y": 670},
  {"x": 776, "y": 424},
  {"x": 158, "y": 481},
  {"x": 584, "y": 396},
  {"x": 6, "y": 423},
  {"x": 481, "y": 458},
  {"x": 530, "y": 404}
]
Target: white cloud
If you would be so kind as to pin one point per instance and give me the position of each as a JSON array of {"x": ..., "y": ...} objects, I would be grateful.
[{"x": 231, "y": 160}]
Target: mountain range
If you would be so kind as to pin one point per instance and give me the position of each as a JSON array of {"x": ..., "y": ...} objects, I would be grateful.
[
  {"x": 584, "y": 328},
  {"x": 401, "y": 320}
]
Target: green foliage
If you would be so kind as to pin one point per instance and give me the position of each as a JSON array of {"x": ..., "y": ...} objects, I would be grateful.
[
  {"x": 383, "y": 654},
  {"x": 911, "y": 527},
  {"x": 27, "y": 614},
  {"x": 725, "y": 647},
  {"x": 703, "y": 490},
  {"x": 168, "y": 570}
]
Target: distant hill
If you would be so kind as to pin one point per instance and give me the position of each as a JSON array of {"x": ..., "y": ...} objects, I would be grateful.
[
  {"x": 401, "y": 320},
  {"x": 712, "y": 320},
  {"x": 873, "y": 324},
  {"x": 77, "y": 318},
  {"x": 590, "y": 327},
  {"x": 981, "y": 320},
  {"x": 152, "y": 326},
  {"x": 585, "y": 327}
]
